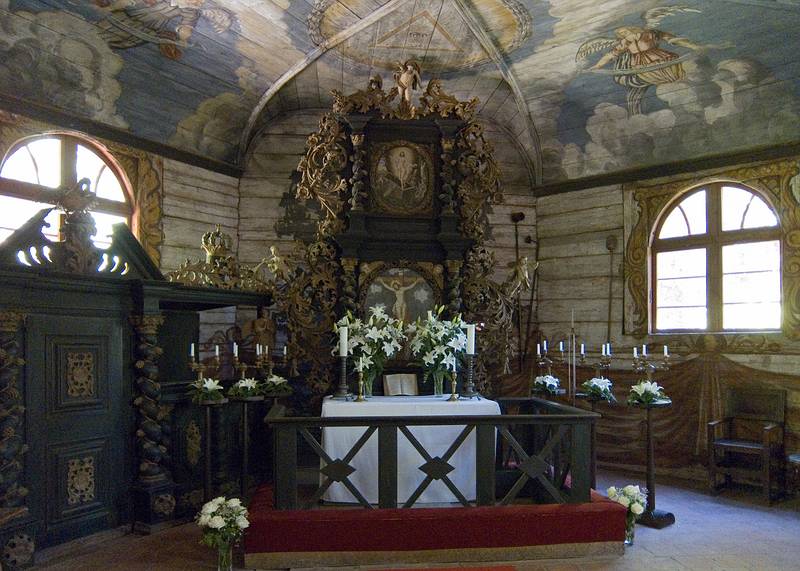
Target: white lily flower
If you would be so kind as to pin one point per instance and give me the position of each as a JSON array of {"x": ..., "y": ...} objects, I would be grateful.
[{"x": 211, "y": 385}]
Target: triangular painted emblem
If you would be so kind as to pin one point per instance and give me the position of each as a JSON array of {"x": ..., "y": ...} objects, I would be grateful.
[{"x": 421, "y": 31}]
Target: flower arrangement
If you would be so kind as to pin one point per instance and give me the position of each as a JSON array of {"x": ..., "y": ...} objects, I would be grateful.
[
  {"x": 223, "y": 522},
  {"x": 275, "y": 384},
  {"x": 246, "y": 388},
  {"x": 546, "y": 384},
  {"x": 372, "y": 342},
  {"x": 633, "y": 498},
  {"x": 599, "y": 388},
  {"x": 206, "y": 390},
  {"x": 439, "y": 343},
  {"x": 645, "y": 393}
]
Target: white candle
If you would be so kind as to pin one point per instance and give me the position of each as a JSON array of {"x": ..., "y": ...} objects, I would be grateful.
[
  {"x": 471, "y": 339},
  {"x": 258, "y": 349},
  {"x": 644, "y": 350},
  {"x": 666, "y": 351},
  {"x": 284, "y": 350},
  {"x": 635, "y": 353},
  {"x": 265, "y": 350},
  {"x": 583, "y": 349},
  {"x": 539, "y": 349},
  {"x": 343, "y": 341},
  {"x": 235, "y": 349},
  {"x": 360, "y": 364},
  {"x": 561, "y": 346},
  {"x": 545, "y": 345},
  {"x": 216, "y": 350},
  {"x": 430, "y": 315},
  {"x": 191, "y": 350},
  {"x": 603, "y": 350},
  {"x": 608, "y": 348}
]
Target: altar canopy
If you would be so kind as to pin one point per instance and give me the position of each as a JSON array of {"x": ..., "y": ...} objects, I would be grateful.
[{"x": 435, "y": 439}]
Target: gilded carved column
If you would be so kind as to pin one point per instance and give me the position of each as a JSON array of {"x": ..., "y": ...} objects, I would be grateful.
[
  {"x": 454, "y": 300},
  {"x": 447, "y": 174},
  {"x": 12, "y": 444},
  {"x": 349, "y": 287}
]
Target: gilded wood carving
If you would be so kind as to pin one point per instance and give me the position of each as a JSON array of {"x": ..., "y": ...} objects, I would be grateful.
[
  {"x": 80, "y": 480},
  {"x": 80, "y": 375},
  {"x": 649, "y": 200}
]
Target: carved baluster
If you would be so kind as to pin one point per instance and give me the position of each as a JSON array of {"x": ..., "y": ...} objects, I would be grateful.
[
  {"x": 349, "y": 289},
  {"x": 12, "y": 446},
  {"x": 454, "y": 301}
]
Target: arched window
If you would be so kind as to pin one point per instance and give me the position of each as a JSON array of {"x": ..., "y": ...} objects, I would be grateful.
[
  {"x": 35, "y": 167},
  {"x": 716, "y": 262}
]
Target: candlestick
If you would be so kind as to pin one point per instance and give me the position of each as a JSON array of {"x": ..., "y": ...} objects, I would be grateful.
[
  {"x": 343, "y": 341},
  {"x": 453, "y": 395},
  {"x": 471, "y": 339},
  {"x": 360, "y": 397}
]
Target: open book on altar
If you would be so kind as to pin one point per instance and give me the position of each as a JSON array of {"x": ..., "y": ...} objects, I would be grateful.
[{"x": 404, "y": 384}]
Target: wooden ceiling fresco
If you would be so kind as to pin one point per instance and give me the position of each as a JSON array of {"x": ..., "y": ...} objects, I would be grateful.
[{"x": 584, "y": 88}]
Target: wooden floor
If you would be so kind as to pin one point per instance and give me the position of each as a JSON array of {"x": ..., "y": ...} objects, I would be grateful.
[{"x": 731, "y": 532}]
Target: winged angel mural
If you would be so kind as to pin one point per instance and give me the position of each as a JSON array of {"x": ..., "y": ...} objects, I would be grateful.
[
  {"x": 639, "y": 61},
  {"x": 167, "y": 24}
]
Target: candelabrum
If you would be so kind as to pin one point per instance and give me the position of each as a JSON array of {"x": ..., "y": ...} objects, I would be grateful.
[
  {"x": 200, "y": 369},
  {"x": 239, "y": 366},
  {"x": 646, "y": 364},
  {"x": 264, "y": 364},
  {"x": 601, "y": 367},
  {"x": 468, "y": 391}
]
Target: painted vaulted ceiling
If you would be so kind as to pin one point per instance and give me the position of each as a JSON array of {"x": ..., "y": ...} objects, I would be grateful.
[{"x": 584, "y": 88}]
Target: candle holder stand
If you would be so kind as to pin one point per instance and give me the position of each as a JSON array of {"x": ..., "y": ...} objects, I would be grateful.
[
  {"x": 453, "y": 382},
  {"x": 360, "y": 397},
  {"x": 468, "y": 390},
  {"x": 342, "y": 390}
]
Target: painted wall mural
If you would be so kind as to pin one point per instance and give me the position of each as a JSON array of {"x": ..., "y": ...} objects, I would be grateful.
[{"x": 609, "y": 86}]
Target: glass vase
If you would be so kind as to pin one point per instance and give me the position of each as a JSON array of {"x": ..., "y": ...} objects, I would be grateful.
[
  {"x": 225, "y": 557},
  {"x": 438, "y": 383},
  {"x": 369, "y": 380},
  {"x": 630, "y": 529}
]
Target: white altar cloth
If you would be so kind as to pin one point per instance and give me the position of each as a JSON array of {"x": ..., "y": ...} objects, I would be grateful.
[{"x": 435, "y": 439}]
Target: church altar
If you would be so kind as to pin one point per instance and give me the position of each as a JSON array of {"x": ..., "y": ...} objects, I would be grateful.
[{"x": 435, "y": 439}]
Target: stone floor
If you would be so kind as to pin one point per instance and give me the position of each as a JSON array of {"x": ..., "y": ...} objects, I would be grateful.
[{"x": 730, "y": 532}]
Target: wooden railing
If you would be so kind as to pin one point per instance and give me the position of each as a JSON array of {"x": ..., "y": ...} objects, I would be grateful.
[{"x": 546, "y": 447}]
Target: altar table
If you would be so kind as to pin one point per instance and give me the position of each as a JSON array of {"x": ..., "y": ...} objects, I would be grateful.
[{"x": 435, "y": 439}]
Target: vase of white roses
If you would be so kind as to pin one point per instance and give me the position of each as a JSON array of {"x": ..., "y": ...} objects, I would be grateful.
[
  {"x": 247, "y": 389},
  {"x": 223, "y": 522},
  {"x": 634, "y": 499},
  {"x": 439, "y": 343},
  {"x": 546, "y": 384},
  {"x": 646, "y": 393},
  {"x": 597, "y": 389},
  {"x": 372, "y": 342},
  {"x": 207, "y": 392}
]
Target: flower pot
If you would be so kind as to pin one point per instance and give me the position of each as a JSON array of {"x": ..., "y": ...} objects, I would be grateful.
[
  {"x": 438, "y": 384},
  {"x": 630, "y": 529}
]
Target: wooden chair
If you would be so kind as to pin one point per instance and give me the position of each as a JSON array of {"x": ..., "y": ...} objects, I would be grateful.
[
  {"x": 751, "y": 446},
  {"x": 400, "y": 384}
]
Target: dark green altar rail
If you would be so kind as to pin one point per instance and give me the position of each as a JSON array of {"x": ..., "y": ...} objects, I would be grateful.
[{"x": 555, "y": 444}]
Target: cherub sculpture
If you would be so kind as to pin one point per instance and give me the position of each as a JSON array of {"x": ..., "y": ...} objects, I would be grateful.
[{"x": 407, "y": 78}]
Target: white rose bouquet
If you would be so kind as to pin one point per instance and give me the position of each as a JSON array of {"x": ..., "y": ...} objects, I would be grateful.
[
  {"x": 645, "y": 392},
  {"x": 246, "y": 388},
  {"x": 633, "y": 498},
  {"x": 439, "y": 343},
  {"x": 206, "y": 390},
  {"x": 223, "y": 522},
  {"x": 599, "y": 388},
  {"x": 546, "y": 384},
  {"x": 276, "y": 385},
  {"x": 372, "y": 342}
]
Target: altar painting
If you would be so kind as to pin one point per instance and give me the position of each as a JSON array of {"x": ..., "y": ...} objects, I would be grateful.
[
  {"x": 401, "y": 175},
  {"x": 404, "y": 293}
]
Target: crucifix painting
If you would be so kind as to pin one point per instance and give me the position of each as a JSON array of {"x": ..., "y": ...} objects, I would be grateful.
[{"x": 404, "y": 293}]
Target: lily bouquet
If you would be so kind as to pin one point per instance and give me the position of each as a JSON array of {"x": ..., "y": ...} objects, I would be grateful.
[
  {"x": 372, "y": 342},
  {"x": 645, "y": 392},
  {"x": 546, "y": 384},
  {"x": 275, "y": 384},
  {"x": 599, "y": 388},
  {"x": 206, "y": 390},
  {"x": 633, "y": 498},
  {"x": 223, "y": 522},
  {"x": 246, "y": 388},
  {"x": 439, "y": 343}
]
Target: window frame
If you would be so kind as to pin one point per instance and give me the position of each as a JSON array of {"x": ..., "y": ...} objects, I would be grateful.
[
  {"x": 713, "y": 240},
  {"x": 69, "y": 145}
]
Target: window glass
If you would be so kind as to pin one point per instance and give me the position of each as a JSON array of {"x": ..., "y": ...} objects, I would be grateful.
[
  {"x": 687, "y": 218},
  {"x": 681, "y": 289},
  {"x": 16, "y": 211},
  {"x": 38, "y": 162},
  {"x": 751, "y": 286},
  {"x": 104, "y": 222},
  {"x": 743, "y": 209}
]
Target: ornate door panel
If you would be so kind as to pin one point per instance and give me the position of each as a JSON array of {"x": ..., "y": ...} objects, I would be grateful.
[{"x": 79, "y": 418}]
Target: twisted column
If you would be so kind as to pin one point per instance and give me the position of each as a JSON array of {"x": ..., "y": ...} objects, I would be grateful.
[
  {"x": 358, "y": 196},
  {"x": 447, "y": 174},
  {"x": 150, "y": 434},
  {"x": 454, "y": 301},
  {"x": 349, "y": 286}
]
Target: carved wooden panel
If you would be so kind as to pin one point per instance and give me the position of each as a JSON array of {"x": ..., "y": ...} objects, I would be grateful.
[
  {"x": 78, "y": 374},
  {"x": 80, "y": 480},
  {"x": 77, "y": 476}
]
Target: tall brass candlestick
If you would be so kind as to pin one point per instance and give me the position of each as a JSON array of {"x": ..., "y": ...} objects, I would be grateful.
[
  {"x": 360, "y": 397},
  {"x": 453, "y": 395}
]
